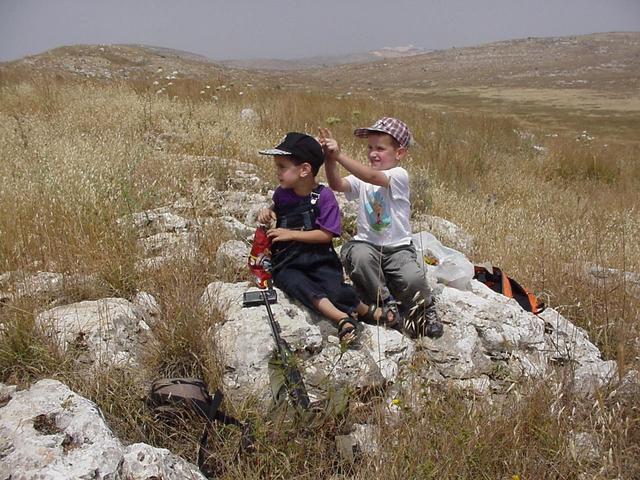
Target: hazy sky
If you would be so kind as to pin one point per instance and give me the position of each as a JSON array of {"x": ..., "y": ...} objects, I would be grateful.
[{"x": 299, "y": 28}]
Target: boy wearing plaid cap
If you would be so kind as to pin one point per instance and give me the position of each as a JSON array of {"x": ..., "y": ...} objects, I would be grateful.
[{"x": 381, "y": 260}]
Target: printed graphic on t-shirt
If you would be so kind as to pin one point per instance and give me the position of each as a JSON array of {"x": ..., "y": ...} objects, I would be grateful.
[{"x": 377, "y": 211}]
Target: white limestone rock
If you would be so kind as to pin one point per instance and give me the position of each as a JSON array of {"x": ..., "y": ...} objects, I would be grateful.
[
  {"x": 245, "y": 338},
  {"x": 54, "y": 433},
  {"x": 49, "y": 432},
  {"x": 102, "y": 332},
  {"x": 233, "y": 256}
]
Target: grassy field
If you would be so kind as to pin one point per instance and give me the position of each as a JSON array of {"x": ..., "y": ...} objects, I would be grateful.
[
  {"x": 541, "y": 202},
  {"x": 610, "y": 119}
]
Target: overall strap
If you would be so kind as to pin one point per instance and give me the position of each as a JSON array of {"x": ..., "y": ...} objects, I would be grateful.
[
  {"x": 309, "y": 216},
  {"x": 315, "y": 194},
  {"x": 303, "y": 214}
]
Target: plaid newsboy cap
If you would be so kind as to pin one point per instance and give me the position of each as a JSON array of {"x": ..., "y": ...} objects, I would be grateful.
[{"x": 392, "y": 126}]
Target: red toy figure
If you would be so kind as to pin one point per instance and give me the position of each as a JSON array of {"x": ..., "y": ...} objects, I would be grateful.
[{"x": 260, "y": 257}]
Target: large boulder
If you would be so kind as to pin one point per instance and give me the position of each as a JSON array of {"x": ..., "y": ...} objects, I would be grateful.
[
  {"x": 245, "y": 339},
  {"x": 49, "y": 432},
  {"x": 489, "y": 343},
  {"x": 109, "y": 331},
  {"x": 488, "y": 334},
  {"x": 247, "y": 345}
]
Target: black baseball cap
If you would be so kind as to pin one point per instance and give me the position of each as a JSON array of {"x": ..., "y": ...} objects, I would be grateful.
[{"x": 302, "y": 146}]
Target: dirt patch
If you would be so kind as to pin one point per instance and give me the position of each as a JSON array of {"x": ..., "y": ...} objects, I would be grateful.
[{"x": 46, "y": 424}]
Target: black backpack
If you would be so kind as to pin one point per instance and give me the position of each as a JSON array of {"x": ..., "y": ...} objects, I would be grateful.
[
  {"x": 498, "y": 281},
  {"x": 167, "y": 394}
]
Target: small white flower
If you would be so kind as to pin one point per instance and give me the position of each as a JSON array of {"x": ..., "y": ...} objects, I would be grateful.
[
  {"x": 170, "y": 83},
  {"x": 156, "y": 82},
  {"x": 201, "y": 92},
  {"x": 175, "y": 72},
  {"x": 240, "y": 93},
  {"x": 207, "y": 87}
]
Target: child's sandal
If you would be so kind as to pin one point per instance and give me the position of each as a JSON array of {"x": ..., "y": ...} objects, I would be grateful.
[
  {"x": 390, "y": 314},
  {"x": 347, "y": 330},
  {"x": 369, "y": 317}
]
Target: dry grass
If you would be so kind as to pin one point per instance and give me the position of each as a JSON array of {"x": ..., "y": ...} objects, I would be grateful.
[{"x": 78, "y": 155}]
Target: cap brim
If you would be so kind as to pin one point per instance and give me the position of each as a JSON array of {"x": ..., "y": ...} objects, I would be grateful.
[
  {"x": 274, "y": 151},
  {"x": 364, "y": 132}
]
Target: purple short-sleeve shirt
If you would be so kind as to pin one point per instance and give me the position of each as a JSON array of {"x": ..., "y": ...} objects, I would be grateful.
[{"x": 329, "y": 212}]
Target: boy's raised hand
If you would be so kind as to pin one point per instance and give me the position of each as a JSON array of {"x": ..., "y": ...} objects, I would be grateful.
[{"x": 329, "y": 144}]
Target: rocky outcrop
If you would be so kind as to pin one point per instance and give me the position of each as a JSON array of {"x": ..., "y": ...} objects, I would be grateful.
[
  {"x": 49, "y": 285},
  {"x": 613, "y": 278},
  {"x": 447, "y": 232},
  {"x": 489, "y": 343},
  {"x": 103, "y": 332},
  {"x": 49, "y": 432},
  {"x": 169, "y": 233}
]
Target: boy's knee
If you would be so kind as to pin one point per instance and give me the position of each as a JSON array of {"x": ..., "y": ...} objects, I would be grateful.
[
  {"x": 354, "y": 255},
  {"x": 414, "y": 282},
  {"x": 411, "y": 284}
]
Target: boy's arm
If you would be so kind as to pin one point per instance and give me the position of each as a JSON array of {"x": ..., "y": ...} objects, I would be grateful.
[
  {"x": 318, "y": 235},
  {"x": 331, "y": 150},
  {"x": 362, "y": 171},
  {"x": 334, "y": 155},
  {"x": 336, "y": 182}
]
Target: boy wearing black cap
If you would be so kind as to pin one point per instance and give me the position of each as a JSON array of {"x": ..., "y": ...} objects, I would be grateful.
[
  {"x": 381, "y": 260},
  {"x": 307, "y": 216}
]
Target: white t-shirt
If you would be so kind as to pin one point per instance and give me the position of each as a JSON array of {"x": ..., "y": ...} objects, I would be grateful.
[{"x": 383, "y": 213}]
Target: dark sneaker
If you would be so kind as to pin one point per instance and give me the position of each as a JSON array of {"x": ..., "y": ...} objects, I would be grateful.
[
  {"x": 433, "y": 326},
  {"x": 424, "y": 323}
]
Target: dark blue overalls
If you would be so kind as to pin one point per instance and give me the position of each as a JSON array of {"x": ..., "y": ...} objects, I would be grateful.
[{"x": 309, "y": 270}]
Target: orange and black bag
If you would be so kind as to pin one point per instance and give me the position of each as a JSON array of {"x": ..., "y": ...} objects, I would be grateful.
[{"x": 500, "y": 282}]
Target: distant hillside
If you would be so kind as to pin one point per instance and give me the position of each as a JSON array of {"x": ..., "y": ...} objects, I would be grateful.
[
  {"x": 602, "y": 61},
  {"x": 324, "y": 61},
  {"x": 126, "y": 62}
]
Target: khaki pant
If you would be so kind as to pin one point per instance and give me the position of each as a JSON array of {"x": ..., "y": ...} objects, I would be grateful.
[{"x": 376, "y": 271}]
